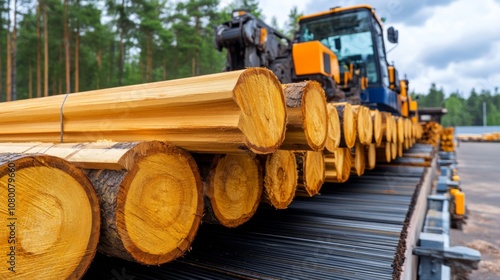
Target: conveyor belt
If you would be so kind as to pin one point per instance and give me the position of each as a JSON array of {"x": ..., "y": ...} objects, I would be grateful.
[{"x": 355, "y": 230}]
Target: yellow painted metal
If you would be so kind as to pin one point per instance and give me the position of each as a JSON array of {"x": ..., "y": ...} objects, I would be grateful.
[
  {"x": 308, "y": 59},
  {"x": 343, "y": 9},
  {"x": 459, "y": 201}
]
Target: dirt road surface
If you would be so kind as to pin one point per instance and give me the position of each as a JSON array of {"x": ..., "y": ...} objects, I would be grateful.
[{"x": 479, "y": 170}]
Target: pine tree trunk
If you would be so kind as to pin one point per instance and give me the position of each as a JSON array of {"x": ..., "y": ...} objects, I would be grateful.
[
  {"x": 8, "y": 78},
  {"x": 30, "y": 82},
  {"x": 14, "y": 54},
  {"x": 77, "y": 53},
  {"x": 38, "y": 54},
  {"x": 54, "y": 216},
  {"x": 67, "y": 56},
  {"x": 45, "y": 51}
]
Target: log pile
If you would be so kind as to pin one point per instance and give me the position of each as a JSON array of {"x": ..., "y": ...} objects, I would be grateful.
[
  {"x": 155, "y": 160},
  {"x": 448, "y": 139}
]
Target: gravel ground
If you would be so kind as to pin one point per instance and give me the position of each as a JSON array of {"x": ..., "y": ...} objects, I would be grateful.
[{"x": 479, "y": 170}]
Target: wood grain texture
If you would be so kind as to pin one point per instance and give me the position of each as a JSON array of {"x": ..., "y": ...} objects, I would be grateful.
[
  {"x": 280, "y": 179},
  {"x": 233, "y": 186},
  {"x": 53, "y": 219},
  {"x": 348, "y": 124},
  {"x": 226, "y": 112},
  {"x": 338, "y": 166},
  {"x": 151, "y": 210},
  {"x": 311, "y": 172},
  {"x": 334, "y": 129},
  {"x": 307, "y": 116}
]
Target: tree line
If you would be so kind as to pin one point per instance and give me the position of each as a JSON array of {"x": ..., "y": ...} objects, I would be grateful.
[
  {"x": 463, "y": 111},
  {"x": 50, "y": 47}
]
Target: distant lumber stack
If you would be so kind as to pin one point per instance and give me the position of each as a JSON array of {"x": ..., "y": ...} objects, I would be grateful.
[
  {"x": 50, "y": 215},
  {"x": 219, "y": 113}
]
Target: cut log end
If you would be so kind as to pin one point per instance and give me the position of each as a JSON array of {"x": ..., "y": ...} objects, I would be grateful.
[
  {"x": 377, "y": 127},
  {"x": 280, "y": 181},
  {"x": 334, "y": 130},
  {"x": 364, "y": 124},
  {"x": 314, "y": 172},
  {"x": 160, "y": 206},
  {"x": 358, "y": 159},
  {"x": 52, "y": 214},
  {"x": 371, "y": 156},
  {"x": 338, "y": 166},
  {"x": 315, "y": 115},
  {"x": 260, "y": 97},
  {"x": 348, "y": 125},
  {"x": 234, "y": 189}
]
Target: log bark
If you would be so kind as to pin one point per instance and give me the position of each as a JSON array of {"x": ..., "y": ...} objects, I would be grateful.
[
  {"x": 152, "y": 208},
  {"x": 358, "y": 159},
  {"x": 307, "y": 116},
  {"x": 334, "y": 129},
  {"x": 377, "y": 126},
  {"x": 384, "y": 153},
  {"x": 280, "y": 179},
  {"x": 226, "y": 112},
  {"x": 233, "y": 188},
  {"x": 52, "y": 216},
  {"x": 371, "y": 156},
  {"x": 347, "y": 124},
  {"x": 311, "y": 172},
  {"x": 338, "y": 166},
  {"x": 364, "y": 124}
]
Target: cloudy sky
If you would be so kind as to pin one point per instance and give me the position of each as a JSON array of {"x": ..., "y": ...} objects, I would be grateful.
[{"x": 453, "y": 43}]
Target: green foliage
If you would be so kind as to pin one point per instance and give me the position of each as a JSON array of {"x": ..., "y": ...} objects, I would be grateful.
[{"x": 463, "y": 111}]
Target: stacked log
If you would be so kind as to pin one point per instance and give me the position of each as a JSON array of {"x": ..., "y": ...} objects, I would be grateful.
[
  {"x": 334, "y": 129},
  {"x": 338, "y": 166},
  {"x": 307, "y": 116},
  {"x": 358, "y": 159},
  {"x": 431, "y": 133},
  {"x": 448, "y": 139},
  {"x": 377, "y": 127},
  {"x": 280, "y": 178},
  {"x": 233, "y": 186},
  {"x": 150, "y": 194},
  {"x": 311, "y": 172},
  {"x": 50, "y": 215},
  {"x": 219, "y": 113},
  {"x": 384, "y": 153},
  {"x": 364, "y": 124},
  {"x": 371, "y": 156},
  {"x": 348, "y": 124}
]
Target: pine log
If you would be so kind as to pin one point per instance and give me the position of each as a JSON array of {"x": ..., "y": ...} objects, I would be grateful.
[
  {"x": 51, "y": 218},
  {"x": 233, "y": 189},
  {"x": 153, "y": 206},
  {"x": 225, "y": 112},
  {"x": 307, "y": 116},
  {"x": 394, "y": 150},
  {"x": 377, "y": 126},
  {"x": 400, "y": 129},
  {"x": 387, "y": 127},
  {"x": 384, "y": 153},
  {"x": 371, "y": 156},
  {"x": 311, "y": 172},
  {"x": 400, "y": 149},
  {"x": 280, "y": 179},
  {"x": 394, "y": 130},
  {"x": 358, "y": 159},
  {"x": 364, "y": 124},
  {"x": 334, "y": 129},
  {"x": 338, "y": 166},
  {"x": 348, "y": 124}
]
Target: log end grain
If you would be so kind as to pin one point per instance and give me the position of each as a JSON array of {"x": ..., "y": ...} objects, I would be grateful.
[
  {"x": 377, "y": 126},
  {"x": 334, "y": 130},
  {"x": 280, "y": 180},
  {"x": 159, "y": 204},
  {"x": 235, "y": 188},
  {"x": 348, "y": 125},
  {"x": 371, "y": 156},
  {"x": 260, "y": 97},
  {"x": 314, "y": 172},
  {"x": 53, "y": 218}
]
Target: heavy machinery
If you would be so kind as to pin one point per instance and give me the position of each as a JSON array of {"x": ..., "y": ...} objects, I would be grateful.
[
  {"x": 342, "y": 48},
  {"x": 379, "y": 226}
]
